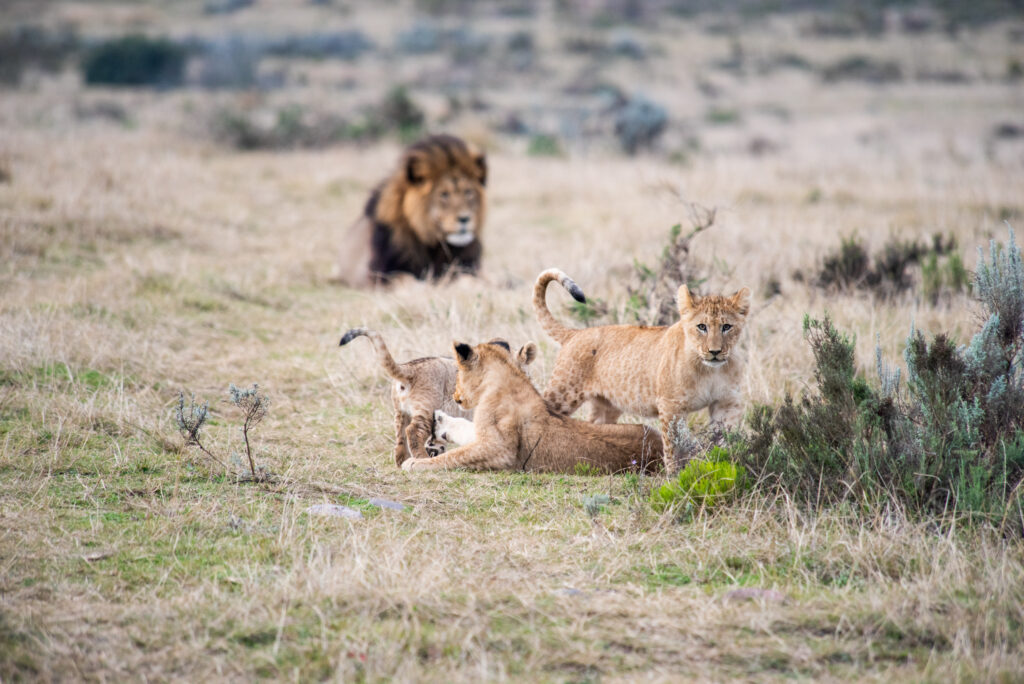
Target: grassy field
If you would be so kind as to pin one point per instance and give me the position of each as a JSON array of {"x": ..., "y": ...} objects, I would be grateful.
[{"x": 141, "y": 256}]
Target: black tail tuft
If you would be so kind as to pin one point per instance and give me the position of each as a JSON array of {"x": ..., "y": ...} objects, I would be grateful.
[{"x": 349, "y": 336}]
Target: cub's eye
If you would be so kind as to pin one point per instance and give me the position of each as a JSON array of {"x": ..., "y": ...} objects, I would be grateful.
[
  {"x": 445, "y": 194},
  {"x": 726, "y": 328},
  {"x": 702, "y": 327},
  {"x": 468, "y": 194}
]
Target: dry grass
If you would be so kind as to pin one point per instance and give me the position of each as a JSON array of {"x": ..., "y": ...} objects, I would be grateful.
[{"x": 139, "y": 261}]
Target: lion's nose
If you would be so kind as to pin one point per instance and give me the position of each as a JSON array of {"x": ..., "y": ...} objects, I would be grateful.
[
  {"x": 714, "y": 352},
  {"x": 464, "y": 219}
]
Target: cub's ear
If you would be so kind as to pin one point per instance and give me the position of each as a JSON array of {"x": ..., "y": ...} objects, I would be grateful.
[
  {"x": 417, "y": 168},
  {"x": 741, "y": 300},
  {"x": 527, "y": 354},
  {"x": 463, "y": 352},
  {"x": 481, "y": 164},
  {"x": 684, "y": 299}
]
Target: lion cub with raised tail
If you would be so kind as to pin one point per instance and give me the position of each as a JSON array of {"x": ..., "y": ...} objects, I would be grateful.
[
  {"x": 420, "y": 387},
  {"x": 515, "y": 430},
  {"x": 664, "y": 372}
]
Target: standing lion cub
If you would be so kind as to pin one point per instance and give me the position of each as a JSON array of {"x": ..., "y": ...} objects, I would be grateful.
[
  {"x": 664, "y": 372},
  {"x": 515, "y": 430}
]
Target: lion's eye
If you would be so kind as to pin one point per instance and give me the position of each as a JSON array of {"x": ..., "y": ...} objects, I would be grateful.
[
  {"x": 468, "y": 194},
  {"x": 445, "y": 194},
  {"x": 726, "y": 328},
  {"x": 702, "y": 327}
]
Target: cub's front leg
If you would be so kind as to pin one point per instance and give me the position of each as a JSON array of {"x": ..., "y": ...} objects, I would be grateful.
[
  {"x": 474, "y": 456},
  {"x": 727, "y": 411},
  {"x": 418, "y": 433}
]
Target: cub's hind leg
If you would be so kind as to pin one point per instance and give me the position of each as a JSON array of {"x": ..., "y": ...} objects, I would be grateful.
[
  {"x": 401, "y": 453},
  {"x": 563, "y": 395}
]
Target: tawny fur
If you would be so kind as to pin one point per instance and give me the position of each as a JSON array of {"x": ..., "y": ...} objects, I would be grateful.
[
  {"x": 515, "y": 430},
  {"x": 460, "y": 431},
  {"x": 664, "y": 372},
  {"x": 424, "y": 221},
  {"x": 419, "y": 388}
]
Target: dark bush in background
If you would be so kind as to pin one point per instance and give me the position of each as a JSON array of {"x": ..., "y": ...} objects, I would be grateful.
[
  {"x": 24, "y": 47},
  {"x": 135, "y": 61},
  {"x": 951, "y": 438},
  {"x": 850, "y": 267},
  {"x": 639, "y": 123}
]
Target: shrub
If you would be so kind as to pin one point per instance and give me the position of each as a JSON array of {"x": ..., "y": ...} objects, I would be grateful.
[
  {"x": 889, "y": 272},
  {"x": 135, "y": 61},
  {"x": 948, "y": 438},
  {"x": 544, "y": 146},
  {"x": 704, "y": 483},
  {"x": 639, "y": 123},
  {"x": 23, "y": 47},
  {"x": 651, "y": 291},
  {"x": 862, "y": 68}
]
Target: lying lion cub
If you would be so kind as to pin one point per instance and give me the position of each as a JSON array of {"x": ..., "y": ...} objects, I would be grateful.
[
  {"x": 516, "y": 431},
  {"x": 649, "y": 371},
  {"x": 420, "y": 387}
]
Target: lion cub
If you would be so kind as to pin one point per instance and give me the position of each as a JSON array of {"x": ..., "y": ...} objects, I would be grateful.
[
  {"x": 420, "y": 387},
  {"x": 516, "y": 430},
  {"x": 665, "y": 372}
]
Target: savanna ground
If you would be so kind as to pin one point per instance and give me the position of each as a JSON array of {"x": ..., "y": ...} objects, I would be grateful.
[{"x": 143, "y": 256}]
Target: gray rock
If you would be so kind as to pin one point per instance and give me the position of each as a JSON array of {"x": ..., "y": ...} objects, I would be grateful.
[
  {"x": 385, "y": 503},
  {"x": 335, "y": 510}
]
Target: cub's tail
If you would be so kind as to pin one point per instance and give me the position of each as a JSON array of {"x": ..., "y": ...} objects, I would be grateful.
[
  {"x": 552, "y": 327},
  {"x": 387, "y": 362}
]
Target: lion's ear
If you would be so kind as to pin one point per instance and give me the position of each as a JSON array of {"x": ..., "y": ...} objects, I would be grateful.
[
  {"x": 684, "y": 299},
  {"x": 481, "y": 165},
  {"x": 417, "y": 168},
  {"x": 741, "y": 300},
  {"x": 527, "y": 354},
  {"x": 463, "y": 352}
]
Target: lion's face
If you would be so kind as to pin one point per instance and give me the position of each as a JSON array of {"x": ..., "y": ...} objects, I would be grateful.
[
  {"x": 713, "y": 324},
  {"x": 438, "y": 192},
  {"x": 454, "y": 208}
]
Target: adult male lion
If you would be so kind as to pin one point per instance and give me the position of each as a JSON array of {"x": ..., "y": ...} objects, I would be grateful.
[{"x": 424, "y": 220}]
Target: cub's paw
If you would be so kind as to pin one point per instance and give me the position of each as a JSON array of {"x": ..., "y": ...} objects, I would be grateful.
[{"x": 413, "y": 464}]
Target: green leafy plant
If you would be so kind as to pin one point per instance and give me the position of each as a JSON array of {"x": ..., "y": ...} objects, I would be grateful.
[
  {"x": 586, "y": 469},
  {"x": 544, "y": 146},
  {"x": 704, "y": 483},
  {"x": 595, "y": 503}
]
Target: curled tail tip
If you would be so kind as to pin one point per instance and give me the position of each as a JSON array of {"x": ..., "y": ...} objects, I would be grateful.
[{"x": 576, "y": 292}]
